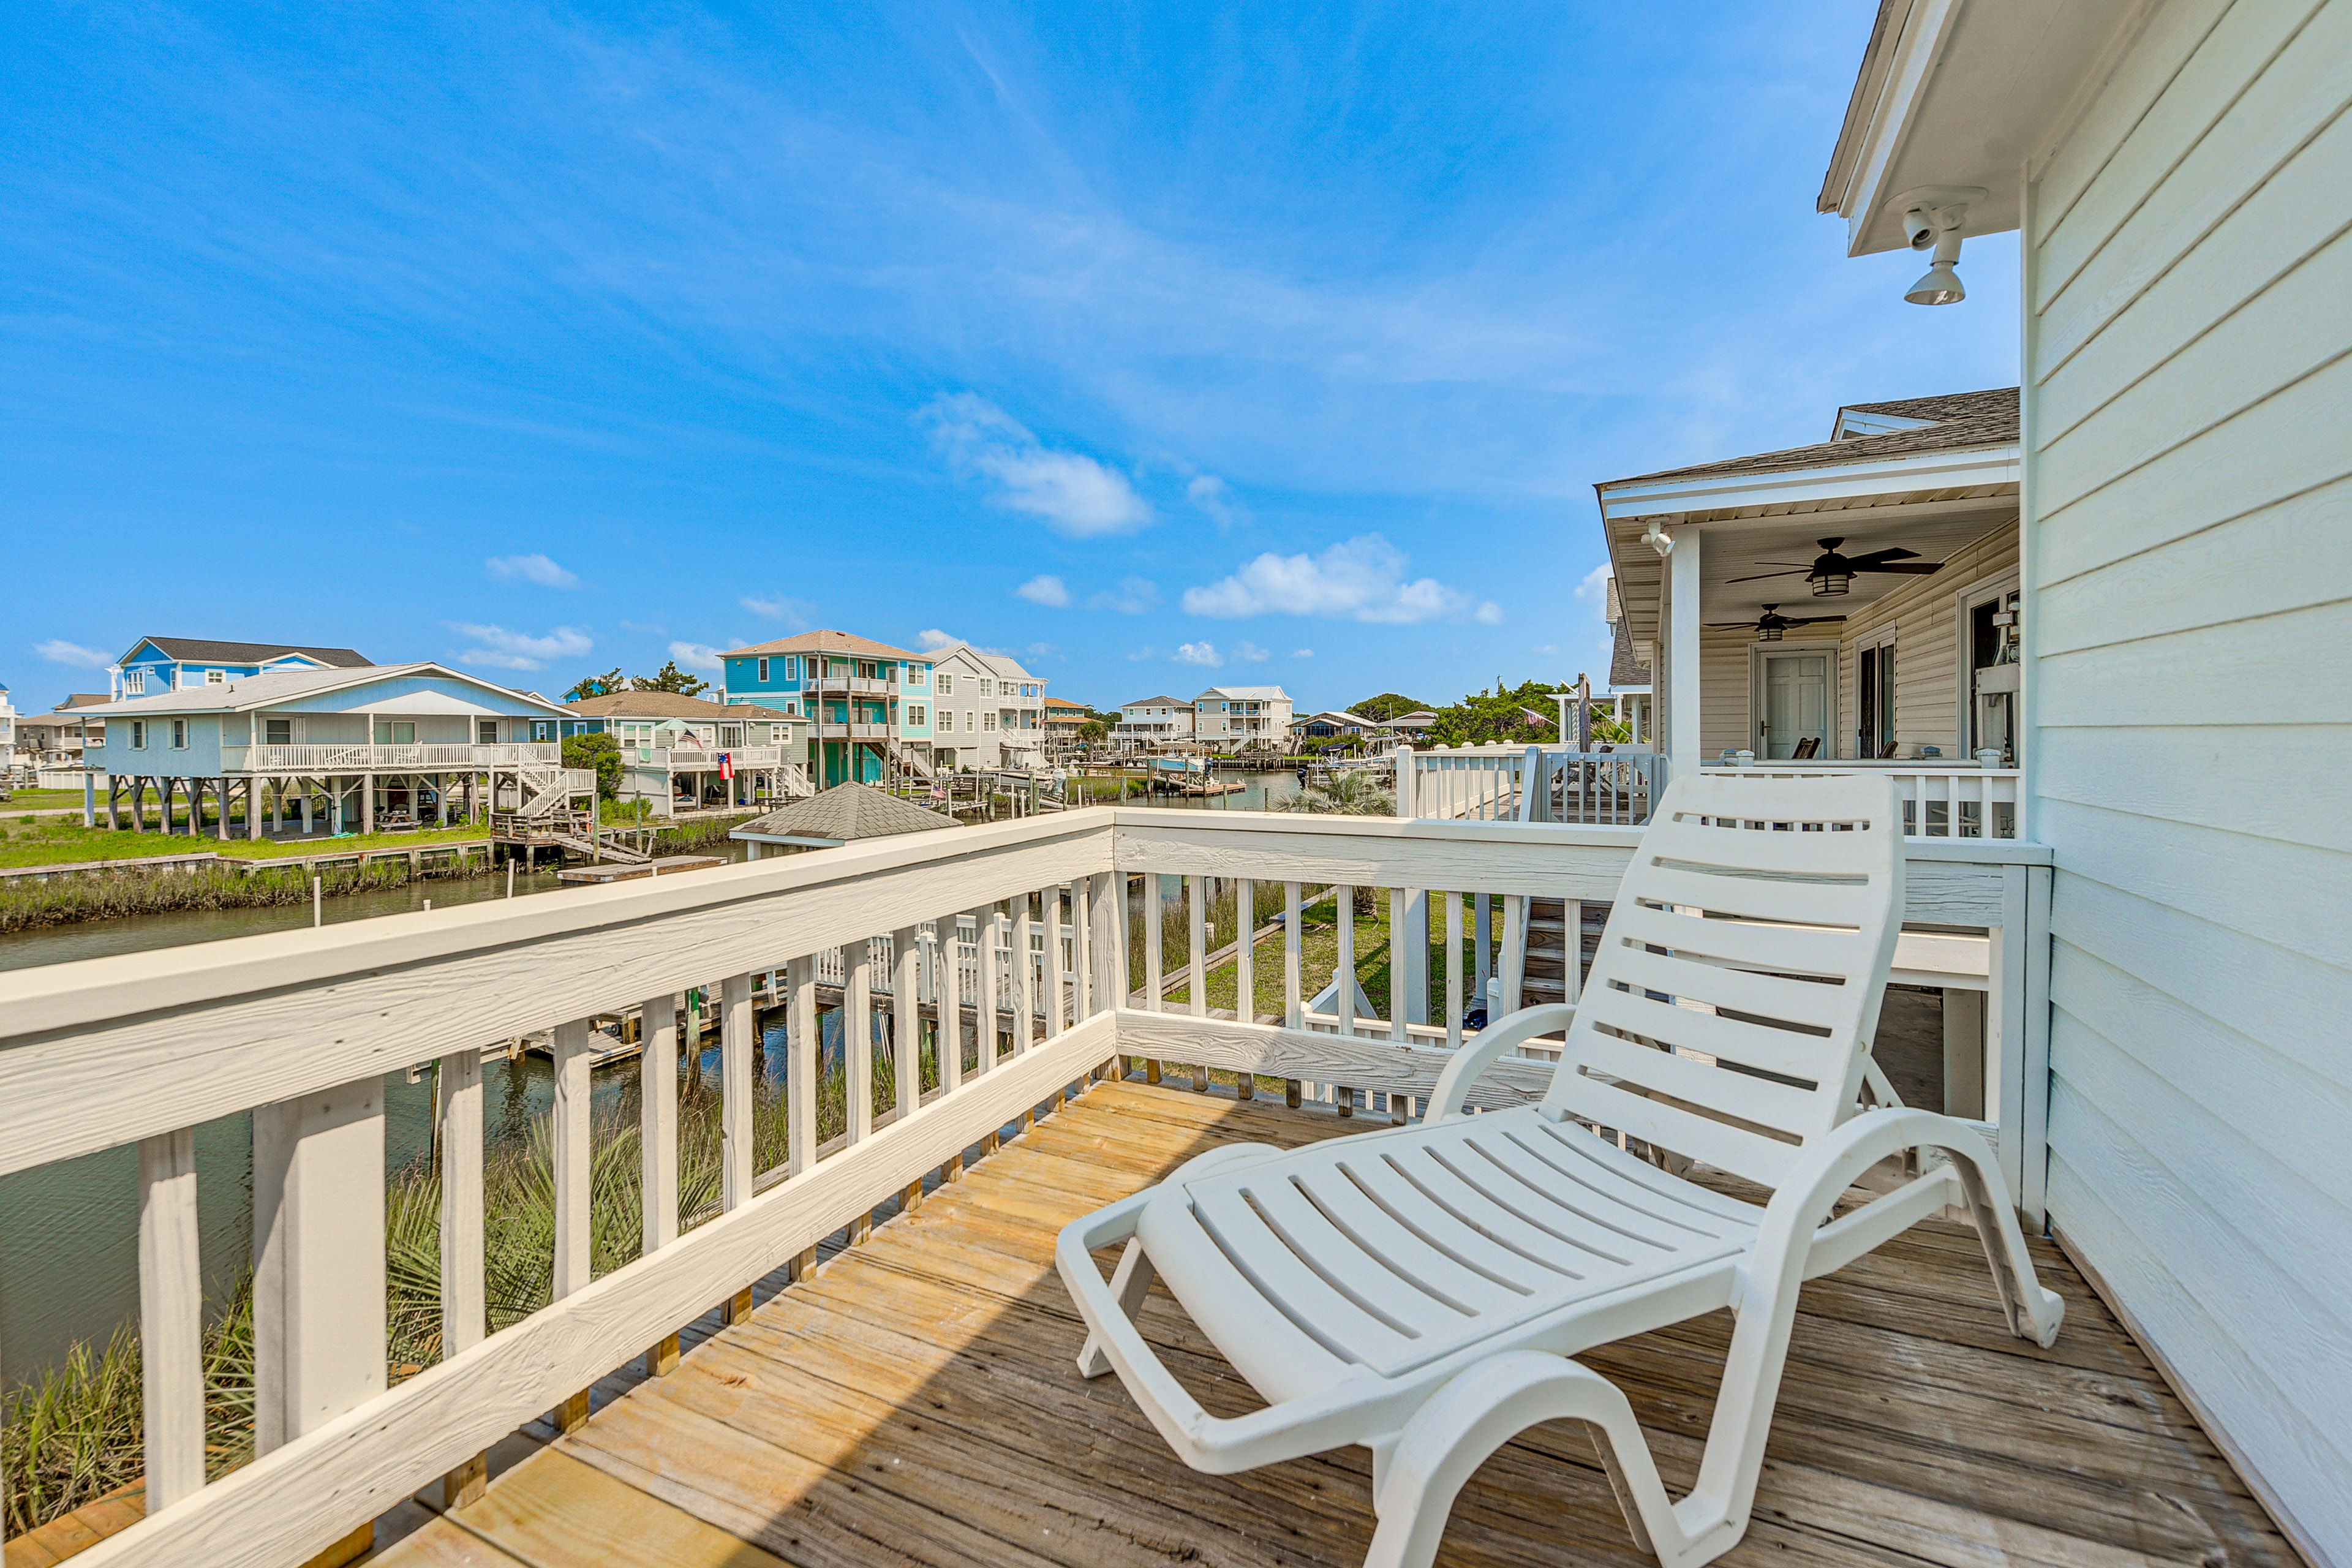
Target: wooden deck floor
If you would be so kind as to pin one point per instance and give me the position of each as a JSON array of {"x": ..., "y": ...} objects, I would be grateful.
[{"x": 916, "y": 1402}]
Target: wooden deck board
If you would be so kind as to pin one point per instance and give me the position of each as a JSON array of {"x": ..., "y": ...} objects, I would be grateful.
[{"x": 916, "y": 1402}]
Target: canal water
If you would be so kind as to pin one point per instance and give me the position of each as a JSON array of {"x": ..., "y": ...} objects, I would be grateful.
[{"x": 69, "y": 1232}]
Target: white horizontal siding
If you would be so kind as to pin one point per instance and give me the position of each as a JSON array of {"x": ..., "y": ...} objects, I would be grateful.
[{"x": 2188, "y": 451}]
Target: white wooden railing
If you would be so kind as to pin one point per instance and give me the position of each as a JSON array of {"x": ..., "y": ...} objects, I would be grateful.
[
  {"x": 362, "y": 758},
  {"x": 704, "y": 757},
  {"x": 300, "y": 1028},
  {"x": 1952, "y": 800},
  {"x": 1492, "y": 783}
]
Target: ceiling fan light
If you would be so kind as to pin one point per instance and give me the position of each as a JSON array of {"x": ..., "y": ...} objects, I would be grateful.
[
  {"x": 1770, "y": 633},
  {"x": 1832, "y": 585}
]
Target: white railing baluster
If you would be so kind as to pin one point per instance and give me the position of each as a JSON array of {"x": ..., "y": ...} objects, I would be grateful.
[
  {"x": 948, "y": 1001},
  {"x": 1343, "y": 994},
  {"x": 735, "y": 1104},
  {"x": 1245, "y": 958},
  {"x": 1196, "y": 926},
  {"x": 457, "y": 1089},
  {"x": 1515, "y": 949},
  {"x": 1453, "y": 970},
  {"x": 1024, "y": 954},
  {"x": 1483, "y": 939},
  {"x": 570, "y": 1143},
  {"x": 1051, "y": 899},
  {"x": 1154, "y": 984},
  {"x": 983, "y": 931},
  {"x": 1082, "y": 1005},
  {"x": 657, "y": 1120},
  {"x": 1107, "y": 908},
  {"x": 1400, "y": 973},
  {"x": 318, "y": 1272},
  {"x": 1571, "y": 920},
  {"x": 858, "y": 1038},
  {"x": 906, "y": 1017},
  {"x": 171, "y": 1318},
  {"x": 804, "y": 1065},
  {"x": 1294, "y": 1009}
]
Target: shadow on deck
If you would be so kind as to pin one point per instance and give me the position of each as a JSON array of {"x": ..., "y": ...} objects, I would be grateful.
[{"x": 916, "y": 1402}]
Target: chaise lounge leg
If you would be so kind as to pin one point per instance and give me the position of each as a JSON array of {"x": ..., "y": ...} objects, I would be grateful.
[
  {"x": 1449, "y": 1438},
  {"x": 1128, "y": 1285}
]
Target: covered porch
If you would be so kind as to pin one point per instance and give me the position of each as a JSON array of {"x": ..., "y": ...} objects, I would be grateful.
[{"x": 1856, "y": 601}]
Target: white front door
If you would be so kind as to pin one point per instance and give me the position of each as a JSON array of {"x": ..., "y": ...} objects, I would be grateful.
[{"x": 1796, "y": 702}]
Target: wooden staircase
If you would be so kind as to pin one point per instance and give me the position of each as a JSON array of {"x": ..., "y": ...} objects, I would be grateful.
[{"x": 1546, "y": 978}]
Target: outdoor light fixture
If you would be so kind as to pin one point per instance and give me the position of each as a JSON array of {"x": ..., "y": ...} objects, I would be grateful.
[
  {"x": 1932, "y": 216},
  {"x": 1831, "y": 584},
  {"x": 1770, "y": 630}
]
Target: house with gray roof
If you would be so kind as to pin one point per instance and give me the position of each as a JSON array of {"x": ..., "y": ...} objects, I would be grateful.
[{"x": 164, "y": 664}]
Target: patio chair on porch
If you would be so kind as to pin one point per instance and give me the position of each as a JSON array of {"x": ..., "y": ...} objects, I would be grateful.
[{"x": 1420, "y": 1289}]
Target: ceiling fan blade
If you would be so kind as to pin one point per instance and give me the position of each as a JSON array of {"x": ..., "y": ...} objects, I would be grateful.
[
  {"x": 1875, "y": 556},
  {"x": 1760, "y": 576},
  {"x": 1729, "y": 625},
  {"x": 1813, "y": 620},
  {"x": 1913, "y": 568}
]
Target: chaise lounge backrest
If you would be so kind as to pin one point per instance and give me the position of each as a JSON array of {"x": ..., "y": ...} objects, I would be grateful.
[{"x": 1729, "y": 1014}]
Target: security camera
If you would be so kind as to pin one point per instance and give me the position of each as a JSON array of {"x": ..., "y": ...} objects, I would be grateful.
[{"x": 1920, "y": 228}]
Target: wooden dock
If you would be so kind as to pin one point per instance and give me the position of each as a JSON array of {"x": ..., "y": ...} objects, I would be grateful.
[{"x": 914, "y": 1402}]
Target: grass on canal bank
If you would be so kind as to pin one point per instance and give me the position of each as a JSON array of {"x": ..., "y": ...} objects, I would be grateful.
[
  {"x": 71, "y": 1435},
  {"x": 27, "y": 903},
  {"x": 51, "y": 842}
]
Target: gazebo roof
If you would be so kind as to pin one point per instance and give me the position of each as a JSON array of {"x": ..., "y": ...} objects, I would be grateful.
[{"x": 842, "y": 815}]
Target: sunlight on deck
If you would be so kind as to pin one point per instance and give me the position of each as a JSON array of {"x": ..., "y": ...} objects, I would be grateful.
[{"x": 916, "y": 1403}]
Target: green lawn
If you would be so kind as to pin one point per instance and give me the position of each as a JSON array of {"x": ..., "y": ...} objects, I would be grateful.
[
  {"x": 41, "y": 799},
  {"x": 1319, "y": 960},
  {"x": 48, "y": 841}
]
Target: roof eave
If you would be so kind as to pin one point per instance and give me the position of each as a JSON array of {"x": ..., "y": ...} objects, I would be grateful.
[{"x": 1951, "y": 468}]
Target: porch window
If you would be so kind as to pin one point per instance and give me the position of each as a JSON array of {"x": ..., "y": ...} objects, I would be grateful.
[
  {"x": 277, "y": 732},
  {"x": 395, "y": 732},
  {"x": 486, "y": 731},
  {"x": 1875, "y": 735}
]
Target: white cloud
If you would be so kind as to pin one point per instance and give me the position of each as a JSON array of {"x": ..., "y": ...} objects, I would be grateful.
[
  {"x": 932, "y": 637},
  {"x": 502, "y": 649},
  {"x": 1362, "y": 579},
  {"x": 776, "y": 607},
  {"x": 1251, "y": 653},
  {"x": 533, "y": 568},
  {"x": 1044, "y": 650},
  {"x": 1134, "y": 596},
  {"x": 1046, "y": 590},
  {"x": 1215, "y": 499},
  {"x": 57, "y": 650},
  {"x": 1069, "y": 492},
  {"x": 1142, "y": 653},
  {"x": 1203, "y": 654},
  {"x": 1302, "y": 653},
  {"x": 695, "y": 655}
]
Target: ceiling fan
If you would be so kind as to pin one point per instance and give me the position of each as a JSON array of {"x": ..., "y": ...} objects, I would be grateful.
[
  {"x": 1831, "y": 573},
  {"x": 1772, "y": 625}
]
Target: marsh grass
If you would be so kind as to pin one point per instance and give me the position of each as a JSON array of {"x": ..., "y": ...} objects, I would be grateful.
[{"x": 72, "y": 1433}]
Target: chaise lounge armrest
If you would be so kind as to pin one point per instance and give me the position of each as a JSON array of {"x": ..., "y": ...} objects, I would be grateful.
[{"x": 1474, "y": 1059}]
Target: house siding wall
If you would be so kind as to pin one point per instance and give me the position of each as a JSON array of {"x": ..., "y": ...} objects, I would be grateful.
[{"x": 2189, "y": 498}]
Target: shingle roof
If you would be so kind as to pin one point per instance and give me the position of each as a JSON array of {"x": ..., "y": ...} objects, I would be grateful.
[
  {"x": 998, "y": 664},
  {"x": 1624, "y": 670},
  {"x": 1963, "y": 419},
  {"x": 829, "y": 642},
  {"x": 845, "y": 814},
  {"x": 253, "y": 652},
  {"x": 1157, "y": 702},
  {"x": 667, "y": 705},
  {"x": 253, "y": 691}
]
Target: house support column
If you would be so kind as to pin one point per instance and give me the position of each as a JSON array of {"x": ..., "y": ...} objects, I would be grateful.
[
  {"x": 1682, "y": 662},
  {"x": 367, "y": 803},
  {"x": 113, "y": 817},
  {"x": 221, "y": 792},
  {"x": 89, "y": 799},
  {"x": 303, "y": 805}
]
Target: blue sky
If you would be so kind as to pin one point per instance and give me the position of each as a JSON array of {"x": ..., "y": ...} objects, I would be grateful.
[{"x": 1159, "y": 345}]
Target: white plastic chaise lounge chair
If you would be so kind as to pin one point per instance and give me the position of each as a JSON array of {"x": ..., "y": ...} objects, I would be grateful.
[{"x": 1420, "y": 1290}]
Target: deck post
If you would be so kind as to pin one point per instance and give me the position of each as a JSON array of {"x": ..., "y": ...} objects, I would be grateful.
[
  {"x": 367, "y": 803},
  {"x": 457, "y": 1094},
  {"x": 735, "y": 1041},
  {"x": 317, "y": 1286},
  {"x": 569, "y": 1116}
]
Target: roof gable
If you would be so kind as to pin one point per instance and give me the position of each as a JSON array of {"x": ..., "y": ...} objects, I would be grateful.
[
  {"x": 1962, "y": 420},
  {"x": 203, "y": 651},
  {"x": 826, "y": 641}
]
